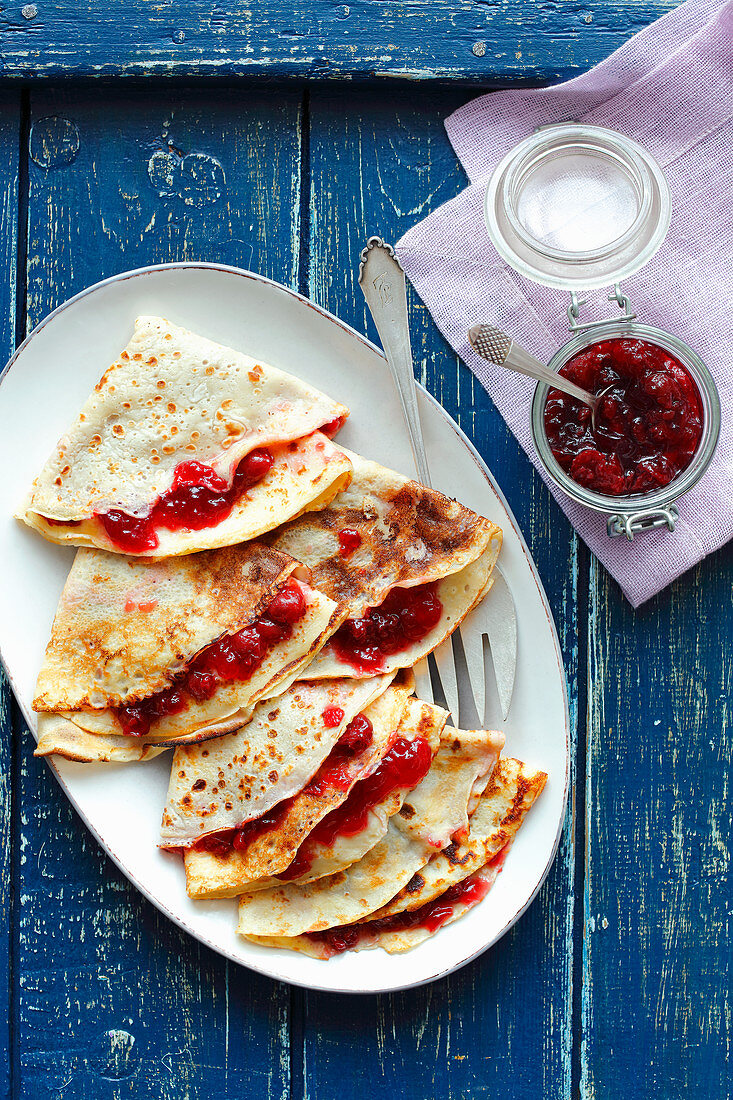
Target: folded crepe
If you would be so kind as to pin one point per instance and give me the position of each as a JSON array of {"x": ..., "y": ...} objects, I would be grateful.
[
  {"x": 349, "y": 831},
  {"x": 450, "y": 884},
  {"x": 434, "y": 811},
  {"x": 254, "y": 862},
  {"x": 144, "y": 654},
  {"x": 186, "y": 445},
  {"x": 509, "y": 795},
  {"x": 417, "y": 559},
  {"x": 221, "y": 784},
  {"x": 392, "y": 937}
]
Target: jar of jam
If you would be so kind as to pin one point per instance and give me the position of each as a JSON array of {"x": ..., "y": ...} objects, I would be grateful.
[{"x": 577, "y": 208}]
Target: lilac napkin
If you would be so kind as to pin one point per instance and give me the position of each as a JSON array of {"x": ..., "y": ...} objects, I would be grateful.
[{"x": 671, "y": 89}]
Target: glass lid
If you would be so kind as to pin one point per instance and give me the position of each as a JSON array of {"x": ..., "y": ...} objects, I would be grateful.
[{"x": 577, "y": 207}]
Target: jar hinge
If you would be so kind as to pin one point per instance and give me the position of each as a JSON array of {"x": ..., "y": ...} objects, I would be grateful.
[
  {"x": 616, "y": 295},
  {"x": 631, "y": 524}
]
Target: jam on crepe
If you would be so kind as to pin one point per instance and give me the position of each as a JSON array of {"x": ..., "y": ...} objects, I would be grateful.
[
  {"x": 332, "y": 716},
  {"x": 198, "y": 498},
  {"x": 648, "y": 425},
  {"x": 228, "y": 840},
  {"x": 334, "y": 772},
  {"x": 333, "y": 426},
  {"x": 356, "y": 737},
  {"x": 231, "y": 657},
  {"x": 403, "y": 766},
  {"x": 431, "y": 916},
  {"x": 349, "y": 541},
  {"x": 407, "y": 615}
]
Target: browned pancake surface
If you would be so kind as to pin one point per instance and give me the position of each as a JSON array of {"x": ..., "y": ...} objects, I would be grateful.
[
  {"x": 125, "y": 626},
  {"x": 409, "y": 535}
]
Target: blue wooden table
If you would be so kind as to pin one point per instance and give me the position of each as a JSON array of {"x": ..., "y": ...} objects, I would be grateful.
[{"x": 298, "y": 134}]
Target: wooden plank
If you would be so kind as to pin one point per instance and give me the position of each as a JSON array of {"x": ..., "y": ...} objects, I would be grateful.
[
  {"x": 10, "y": 114},
  {"x": 501, "y": 1027},
  {"x": 114, "y": 1000},
  {"x": 657, "y": 984},
  {"x": 468, "y": 40}
]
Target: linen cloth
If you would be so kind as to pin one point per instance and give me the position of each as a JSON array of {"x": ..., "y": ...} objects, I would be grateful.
[{"x": 671, "y": 89}]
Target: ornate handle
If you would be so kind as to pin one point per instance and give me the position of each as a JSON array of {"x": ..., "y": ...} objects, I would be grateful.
[{"x": 382, "y": 281}]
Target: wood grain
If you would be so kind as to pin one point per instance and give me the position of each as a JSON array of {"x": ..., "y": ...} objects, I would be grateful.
[
  {"x": 377, "y": 168},
  {"x": 657, "y": 973},
  {"x": 615, "y": 983},
  {"x": 476, "y": 41},
  {"x": 114, "y": 1000},
  {"x": 9, "y": 840}
]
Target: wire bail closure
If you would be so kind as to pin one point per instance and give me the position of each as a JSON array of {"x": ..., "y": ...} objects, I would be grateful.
[
  {"x": 630, "y": 524},
  {"x": 616, "y": 295}
]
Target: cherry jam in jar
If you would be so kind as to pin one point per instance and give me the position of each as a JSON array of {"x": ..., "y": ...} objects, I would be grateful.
[
  {"x": 648, "y": 425},
  {"x": 655, "y": 431}
]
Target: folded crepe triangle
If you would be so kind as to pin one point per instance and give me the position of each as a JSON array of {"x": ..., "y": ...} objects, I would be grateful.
[
  {"x": 388, "y": 542},
  {"x": 228, "y": 781},
  {"x": 147, "y": 654},
  {"x": 178, "y": 412}
]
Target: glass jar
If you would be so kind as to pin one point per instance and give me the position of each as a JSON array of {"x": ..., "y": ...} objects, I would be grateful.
[
  {"x": 580, "y": 207},
  {"x": 628, "y": 515}
]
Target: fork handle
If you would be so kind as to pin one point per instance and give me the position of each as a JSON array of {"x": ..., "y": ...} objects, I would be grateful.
[{"x": 382, "y": 281}]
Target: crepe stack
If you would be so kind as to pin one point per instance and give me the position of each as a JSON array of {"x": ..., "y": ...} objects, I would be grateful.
[
  {"x": 415, "y": 864},
  {"x": 251, "y": 598}
]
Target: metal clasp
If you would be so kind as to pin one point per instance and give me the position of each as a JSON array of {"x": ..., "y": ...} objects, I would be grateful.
[
  {"x": 616, "y": 295},
  {"x": 630, "y": 524}
]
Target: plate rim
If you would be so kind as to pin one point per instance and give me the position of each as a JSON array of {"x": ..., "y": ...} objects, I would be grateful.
[{"x": 137, "y": 272}]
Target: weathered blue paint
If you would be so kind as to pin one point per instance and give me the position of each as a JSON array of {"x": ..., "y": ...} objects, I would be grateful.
[
  {"x": 657, "y": 954},
  {"x": 614, "y": 984},
  {"x": 474, "y": 41},
  {"x": 9, "y": 840}
]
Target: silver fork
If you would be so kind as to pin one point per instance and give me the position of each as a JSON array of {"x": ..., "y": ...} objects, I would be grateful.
[{"x": 382, "y": 281}]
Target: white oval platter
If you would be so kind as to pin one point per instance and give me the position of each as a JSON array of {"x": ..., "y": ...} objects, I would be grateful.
[{"x": 41, "y": 391}]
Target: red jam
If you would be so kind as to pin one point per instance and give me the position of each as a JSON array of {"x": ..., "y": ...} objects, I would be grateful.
[
  {"x": 349, "y": 541},
  {"x": 198, "y": 498},
  {"x": 333, "y": 426},
  {"x": 357, "y": 736},
  {"x": 231, "y": 657},
  {"x": 648, "y": 425},
  {"x": 239, "y": 838},
  {"x": 226, "y": 840},
  {"x": 431, "y": 916},
  {"x": 334, "y": 772},
  {"x": 403, "y": 766},
  {"x": 332, "y": 717},
  {"x": 407, "y": 615},
  {"x": 62, "y": 522},
  {"x": 499, "y": 859}
]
